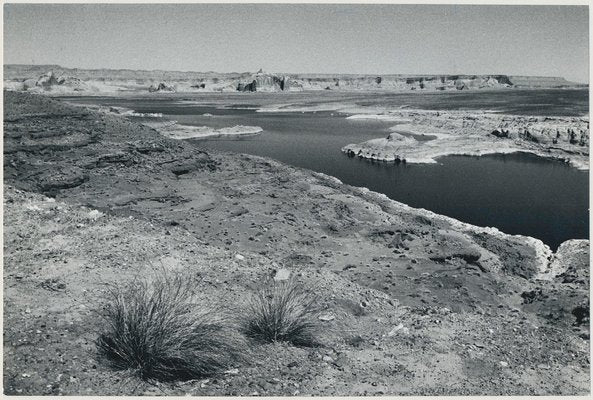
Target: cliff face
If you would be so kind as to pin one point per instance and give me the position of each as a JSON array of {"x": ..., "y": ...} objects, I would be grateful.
[
  {"x": 264, "y": 83},
  {"x": 274, "y": 83},
  {"x": 542, "y": 82},
  {"x": 53, "y": 78},
  {"x": 267, "y": 82}
]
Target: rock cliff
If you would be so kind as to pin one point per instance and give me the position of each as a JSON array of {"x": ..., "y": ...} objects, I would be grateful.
[{"x": 54, "y": 78}]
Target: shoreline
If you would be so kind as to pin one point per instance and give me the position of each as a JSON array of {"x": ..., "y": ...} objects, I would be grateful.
[
  {"x": 174, "y": 130},
  {"x": 470, "y": 133},
  {"x": 579, "y": 165},
  {"x": 453, "y": 140},
  {"x": 360, "y": 189},
  {"x": 488, "y": 150}
]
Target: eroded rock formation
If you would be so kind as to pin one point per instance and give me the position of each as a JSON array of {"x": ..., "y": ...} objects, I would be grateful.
[
  {"x": 263, "y": 82},
  {"x": 161, "y": 87}
]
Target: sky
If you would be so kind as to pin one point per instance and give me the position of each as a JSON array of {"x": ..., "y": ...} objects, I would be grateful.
[{"x": 305, "y": 38}]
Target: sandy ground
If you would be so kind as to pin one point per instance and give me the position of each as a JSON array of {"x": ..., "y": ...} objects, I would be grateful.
[{"x": 422, "y": 304}]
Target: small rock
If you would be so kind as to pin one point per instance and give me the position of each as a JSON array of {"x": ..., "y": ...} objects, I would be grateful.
[
  {"x": 327, "y": 359},
  {"x": 504, "y": 364},
  {"x": 326, "y": 317},
  {"x": 396, "y": 329},
  {"x": 95, "y": 214},
  {"x": 233, "y": 371},
  {"x": 239, "y": 257},
  {"x": 282, "y": 275}
]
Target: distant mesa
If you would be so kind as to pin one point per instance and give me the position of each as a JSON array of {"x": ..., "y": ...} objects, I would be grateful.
[{"x": 54, "y": 78}]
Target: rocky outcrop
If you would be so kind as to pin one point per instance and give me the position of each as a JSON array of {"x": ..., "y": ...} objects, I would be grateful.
[
  {"x": 161, "y": 87},
  {"x": 263, "y": 82},
  {"x": 433, "y": 134},
  {"x": 247, "y": 87},
  {"x": 403, "y": 82},
  {"x": 49, "y": 81},
  {"x": 173, "y": 130},
  {"x": 201, "y": 85},
  {"x": 500, "y": 132}
]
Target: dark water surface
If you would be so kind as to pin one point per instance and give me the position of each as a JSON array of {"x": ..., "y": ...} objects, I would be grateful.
[{"x": 518, "y": 193}]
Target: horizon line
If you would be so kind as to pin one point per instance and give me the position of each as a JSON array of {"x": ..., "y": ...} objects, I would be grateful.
[{"x": 294, "y": 73}]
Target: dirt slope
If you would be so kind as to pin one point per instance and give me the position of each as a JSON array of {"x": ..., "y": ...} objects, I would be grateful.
[{"x": 423, "y": 304}]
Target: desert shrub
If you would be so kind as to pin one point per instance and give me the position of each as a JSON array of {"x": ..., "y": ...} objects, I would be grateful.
[
  {"x": 157, "y": 330},
  {"x": 283, "y": 312}
]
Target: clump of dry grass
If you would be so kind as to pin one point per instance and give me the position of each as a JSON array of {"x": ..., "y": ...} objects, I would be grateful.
[
  {"x": 283, "y": 312},
  {"x": 156, "y": 330}
]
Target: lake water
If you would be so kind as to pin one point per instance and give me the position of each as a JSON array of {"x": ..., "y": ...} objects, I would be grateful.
[{"x": 517, "y": 193}]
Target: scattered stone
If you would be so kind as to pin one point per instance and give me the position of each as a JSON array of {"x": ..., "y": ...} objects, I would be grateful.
[
  {"x": 53, "y": 284},
  {"x": 326, "y": 317},
  {"x": 395, "y": 330},
  {"x": 95, "y": 214},
  {"x": 282, "y": 275}
]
